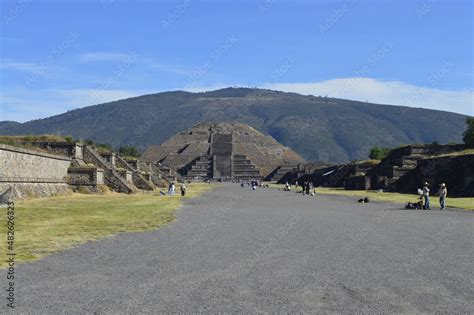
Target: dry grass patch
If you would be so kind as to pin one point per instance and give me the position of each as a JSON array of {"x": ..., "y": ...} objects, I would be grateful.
[
  {"x": 451, "y": 202},
  {"x": 47, "y": 225}
]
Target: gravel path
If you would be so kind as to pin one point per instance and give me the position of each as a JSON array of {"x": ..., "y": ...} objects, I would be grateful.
[{"x": 237, "y": 250}]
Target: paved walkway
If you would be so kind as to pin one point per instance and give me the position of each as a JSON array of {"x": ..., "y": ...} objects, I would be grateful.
[{"x": 237, "y": 250}]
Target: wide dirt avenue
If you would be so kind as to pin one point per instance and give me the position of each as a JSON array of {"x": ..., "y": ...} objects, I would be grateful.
[{"x": 238, "y": 250}]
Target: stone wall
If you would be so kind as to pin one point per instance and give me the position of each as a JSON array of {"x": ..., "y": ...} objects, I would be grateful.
[
  {"x": 15, "y": 191},
  {"x": 357, "y": 182},
  {"x": 457, "y": 172},
  {"x": 109, "y": 157},
  {"x": 69, "y": 149},
  {"x": 85, "y": 176},
  {"x": 24, "y": 165}
]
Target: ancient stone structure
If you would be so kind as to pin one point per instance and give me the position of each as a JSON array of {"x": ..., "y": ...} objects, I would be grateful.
[
  {"x": 85, "y": 176},
  {"x": 401, "y": 161},
  {"x": 46, "y": 168},
  {"x": 403, "y": 170},
  {"x": 140, "y": 179},
  {"x": 221, "y": 151},
  {"x": 457, "y": 172},
  {"x": 32, "y": 173},
  {"x": 112, "y": 177},
  {"x": 69, "y": 149},
  {"x": 281, "y": 172}
]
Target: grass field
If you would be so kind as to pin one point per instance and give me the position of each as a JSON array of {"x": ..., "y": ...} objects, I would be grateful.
[
  {"x": 47, "y": 225},
  {"x": 462, "y": 203}
]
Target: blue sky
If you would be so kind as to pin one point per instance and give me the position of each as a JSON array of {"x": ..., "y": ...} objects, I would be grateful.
[{"x": 60, "y": 55}]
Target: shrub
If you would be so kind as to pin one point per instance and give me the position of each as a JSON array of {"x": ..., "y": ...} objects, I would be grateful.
[
  {"x": 129, "y": 151},
  {"x": 377, "y": 153}
]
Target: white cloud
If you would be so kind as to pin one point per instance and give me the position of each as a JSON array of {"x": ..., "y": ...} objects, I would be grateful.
[
  {"x": 22, "y": 104},
  {"x": 19, "y": 66},
  {"x": 104, "y": 56},
  {"x": 385, "y": 92}
]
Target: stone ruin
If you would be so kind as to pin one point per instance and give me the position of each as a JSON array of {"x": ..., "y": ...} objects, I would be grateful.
[
  {"x": 47, "y": 168},
  {"x": 221, "y": 151},
  {"x": 404, "y": 170}
]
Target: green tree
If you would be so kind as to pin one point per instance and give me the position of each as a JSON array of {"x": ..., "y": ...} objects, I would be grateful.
[
  {"x": 468, "y": 136},
  {"x": 127, "y": 150},
  {"x": 377, "y": 153}
]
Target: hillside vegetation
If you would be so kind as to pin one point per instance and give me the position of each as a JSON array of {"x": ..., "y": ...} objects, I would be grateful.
[{"x": 318, "y": 128}]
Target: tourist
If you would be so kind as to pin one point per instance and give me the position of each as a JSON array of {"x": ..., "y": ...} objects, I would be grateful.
[
  {"x": 307, "y": 188},
  {"x": 254, "y": 184},
  {"x": 426, "y": 195},
  {"x": 443, "y": 193},
  {"x": 171, "y": 189},
  {"x": 303, "y": 187},
  {"x": 183, "y": 189}
]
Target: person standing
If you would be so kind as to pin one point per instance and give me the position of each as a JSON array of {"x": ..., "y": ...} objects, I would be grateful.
[
  {"x": 443, "y": 193},
  {"x": 183, "y": 189},
  {"x": 172, "y": 189},
  {"x": 426, "y": 195}
]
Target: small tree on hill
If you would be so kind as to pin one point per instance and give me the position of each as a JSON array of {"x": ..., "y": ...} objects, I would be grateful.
[
  {"x": 127, "y": 150},
  {"x": 377, "y": 153},
  {"x": 468, "y": 136}
]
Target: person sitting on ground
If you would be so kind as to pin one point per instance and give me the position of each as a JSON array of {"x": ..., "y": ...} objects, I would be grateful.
[
  {"x": 443, "y": 193},
  {"x": 414, "y": 205}
]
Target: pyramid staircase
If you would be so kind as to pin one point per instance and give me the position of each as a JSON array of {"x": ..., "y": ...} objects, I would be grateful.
[
  {"x": 281, "y": 171},
  {"x": 112, "y": 177},
  {"x": 201, "y": 168},
  {"x": 243, "y": 168}
]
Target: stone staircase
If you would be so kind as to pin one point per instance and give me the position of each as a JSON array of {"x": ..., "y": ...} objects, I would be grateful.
[
  {"x": 112, "y": 178},
  {"x": 281, "y": 171},
  {"x": 243, "y": 168},
  {"x": 201, "y": 168},
  {"x": 138, "y": 179},
  {"x": 396, "y": 165},
  {"x": 221, "y": 152}
]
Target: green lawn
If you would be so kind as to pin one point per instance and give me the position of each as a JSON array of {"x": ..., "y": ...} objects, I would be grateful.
[
  {"x": 47, "y": 225},
  {"x": 462, "y": 203}
]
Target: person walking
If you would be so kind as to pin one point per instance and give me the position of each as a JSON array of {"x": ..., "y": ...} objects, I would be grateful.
[
  {"x": 426, "y": 196},
  {"x": 183, "y": 189},
  {"x": 443, "y": 193}
]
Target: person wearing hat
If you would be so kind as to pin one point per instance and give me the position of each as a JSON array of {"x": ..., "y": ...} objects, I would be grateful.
[
  {"x": 426, "y": 195},
  {"x": 443, "y": 193}
]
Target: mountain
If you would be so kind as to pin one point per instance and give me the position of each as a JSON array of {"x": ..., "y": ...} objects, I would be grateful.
[{"x": 318, "y": 128}]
